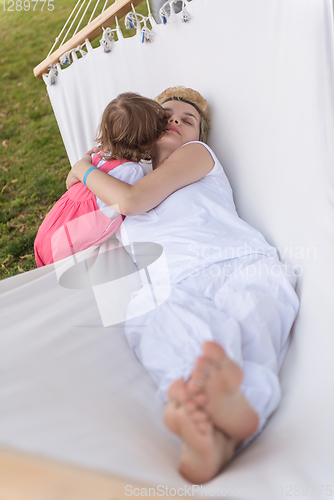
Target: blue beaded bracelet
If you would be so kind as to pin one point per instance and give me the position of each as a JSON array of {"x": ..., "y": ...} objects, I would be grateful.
[{"x": 86, "y": 175}]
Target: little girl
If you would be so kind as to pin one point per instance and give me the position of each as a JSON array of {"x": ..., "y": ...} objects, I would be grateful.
[{"x": 130, "y": 126}]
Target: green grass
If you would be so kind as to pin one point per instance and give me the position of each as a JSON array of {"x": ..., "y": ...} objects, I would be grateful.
[{"x": 33, "y": 161}]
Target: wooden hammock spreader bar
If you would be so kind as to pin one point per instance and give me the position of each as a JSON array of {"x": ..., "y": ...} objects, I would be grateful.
[{"x": 94, "y": 29}]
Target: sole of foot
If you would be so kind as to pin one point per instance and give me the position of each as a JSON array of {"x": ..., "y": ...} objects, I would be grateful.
[
  {"x": 218, "y": 379},
  {"x": 205, "y": 449}
]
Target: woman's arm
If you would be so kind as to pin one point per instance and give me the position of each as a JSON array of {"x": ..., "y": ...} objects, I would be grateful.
[{"x": 186, "y": 165}]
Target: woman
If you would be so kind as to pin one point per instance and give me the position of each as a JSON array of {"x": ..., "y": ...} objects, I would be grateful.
[{"x": 216, "y": 346}]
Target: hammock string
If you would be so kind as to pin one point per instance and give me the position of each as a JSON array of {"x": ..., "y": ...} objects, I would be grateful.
[
  {"x": 104, "y": 6},
  {"x": 91, "y": 17},
  {"x": 77, "y": 10},
  {"x": 66, "y": 58},
  {"x": 133, "y": 20},
  {"x": 107, "y": 39},
  {"x": 164, "y": 15},
  {"x": 69, "y": 29},
  {"x": 83, "y": 15},
  {"x": 58, "y": 37},
  {"x": 50, "y": 78}
]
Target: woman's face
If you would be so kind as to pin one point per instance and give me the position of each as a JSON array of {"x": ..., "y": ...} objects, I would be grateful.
[{"x": 183, "y": 125}]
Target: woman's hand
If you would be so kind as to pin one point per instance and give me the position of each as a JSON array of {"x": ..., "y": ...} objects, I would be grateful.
[
  {"x": 186, "y": 165},
  {"x": 72, "y": 177}
]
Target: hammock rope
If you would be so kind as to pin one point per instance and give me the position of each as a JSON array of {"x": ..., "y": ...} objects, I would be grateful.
[
  {"x": 96, "y": 5},
  {"x": 82, "y": 17},
  {"x": 107, "y": 39},
  {"x": 77, "y": 9},
  {"x": 104, "y": 6},
  {"x": 69, "y": 29},
  {"x": 58, "y": 37},
  {"x": 133, "y": 20},
  {"x": 164, "y": 15}
]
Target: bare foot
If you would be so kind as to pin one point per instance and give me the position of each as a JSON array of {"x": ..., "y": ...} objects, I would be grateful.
[
  {"x": 215, "y": 386},
  {"x": 205, "y": 449}
]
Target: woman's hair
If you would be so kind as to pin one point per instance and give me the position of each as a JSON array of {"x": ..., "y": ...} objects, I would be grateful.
[
  {"x": 192, "y": 97},
  {"x": 130, "y": 126}
]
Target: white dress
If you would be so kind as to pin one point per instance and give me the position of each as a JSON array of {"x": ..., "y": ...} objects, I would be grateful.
[{"x": 226, "y": 284}]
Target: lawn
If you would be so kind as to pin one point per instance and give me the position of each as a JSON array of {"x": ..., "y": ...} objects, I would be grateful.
[{"x": 33, "y": 161}]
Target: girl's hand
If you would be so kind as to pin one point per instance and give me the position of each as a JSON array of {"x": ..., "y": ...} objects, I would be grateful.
[
  {"x": 72, "y": 177},
  {"x": 94, "y": 150}
]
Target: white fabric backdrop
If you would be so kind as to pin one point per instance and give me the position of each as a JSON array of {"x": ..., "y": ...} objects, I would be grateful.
[{"x": 71, "y": 389}]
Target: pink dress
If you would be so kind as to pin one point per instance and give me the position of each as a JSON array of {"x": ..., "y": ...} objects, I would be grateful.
[{"x": 75, "y": 222}]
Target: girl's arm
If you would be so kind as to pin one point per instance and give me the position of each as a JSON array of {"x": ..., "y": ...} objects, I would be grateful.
[{"x": 186, "y": 165}]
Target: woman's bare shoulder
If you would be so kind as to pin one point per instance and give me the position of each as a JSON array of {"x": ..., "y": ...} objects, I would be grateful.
[{"x": 193, "y": 154}]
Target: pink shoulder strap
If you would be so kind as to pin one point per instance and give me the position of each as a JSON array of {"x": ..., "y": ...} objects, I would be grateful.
[{"x": 108, "y": 165}]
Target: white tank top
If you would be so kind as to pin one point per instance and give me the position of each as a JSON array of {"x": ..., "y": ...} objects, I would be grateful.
[{"x": 197, "y": 226}]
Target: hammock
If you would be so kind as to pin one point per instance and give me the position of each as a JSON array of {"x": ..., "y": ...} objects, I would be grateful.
[{"x": 71, "y": 389}]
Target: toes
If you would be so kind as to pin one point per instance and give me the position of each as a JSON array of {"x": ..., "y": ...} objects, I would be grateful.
[
  {"x": 196, "y": 382},
  {"x": 199, "y": 417},
  {"x": 206, "y": 367},
  {"x": 224, "y": 370},
  {"x": 196, "y": 414},
  {"x": 199, "y": 375},
  {"x": 213, "y": 352},
  {"x": 204, "y": 427},
  {"x": 200, "y": 399},
  {"x": 190, "y": 407},
  {"x": 202, "y": 365},
  {"x": 178, "y": 391}
]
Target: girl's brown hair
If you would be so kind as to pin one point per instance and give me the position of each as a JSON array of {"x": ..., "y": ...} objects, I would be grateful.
[
  {"x": 130, "y": 126},
  {"x": 192, "y": 97}
]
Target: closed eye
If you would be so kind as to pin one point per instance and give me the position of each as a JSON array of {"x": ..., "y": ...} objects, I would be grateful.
[{"x": 190, "y": 119}]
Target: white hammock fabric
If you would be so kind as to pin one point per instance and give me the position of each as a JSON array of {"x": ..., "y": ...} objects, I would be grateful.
[{"x": 71, "y": 389}]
